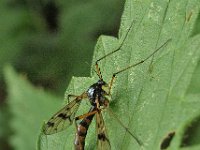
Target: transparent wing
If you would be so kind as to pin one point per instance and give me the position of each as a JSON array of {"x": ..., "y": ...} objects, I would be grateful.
[
  {"x": 103, "y": 142},
  {"x": 63, "y": 118}
]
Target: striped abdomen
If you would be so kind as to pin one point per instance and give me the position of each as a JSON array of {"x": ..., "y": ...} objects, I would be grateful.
[{"x": 82, "y": 129}]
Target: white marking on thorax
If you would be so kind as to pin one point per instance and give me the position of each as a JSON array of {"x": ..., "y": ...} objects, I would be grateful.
[{"x": 91, "y": 91}]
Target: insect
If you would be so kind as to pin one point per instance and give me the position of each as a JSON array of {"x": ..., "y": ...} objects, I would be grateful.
[{"x": 98, "y": 97}]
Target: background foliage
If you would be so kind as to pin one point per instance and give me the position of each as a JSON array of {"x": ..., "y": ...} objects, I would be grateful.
[{"x": 49, "y": 41}]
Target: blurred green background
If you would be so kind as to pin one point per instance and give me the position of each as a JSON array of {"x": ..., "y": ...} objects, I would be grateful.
[{"x": 49, "y": 41}]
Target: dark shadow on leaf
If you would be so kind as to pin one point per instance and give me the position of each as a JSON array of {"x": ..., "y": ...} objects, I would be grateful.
[
  {"x": 167, "y": 140},
  {"x": 192, "y": 134},
  {"x": 196, "y": 29}
]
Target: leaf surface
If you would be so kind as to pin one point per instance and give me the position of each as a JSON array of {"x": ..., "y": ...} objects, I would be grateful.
[{"x": 149, "y": 98}]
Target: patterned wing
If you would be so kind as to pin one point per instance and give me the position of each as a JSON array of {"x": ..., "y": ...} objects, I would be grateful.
[
  {"x": 63, "y": 118},
  {"x": 103, "y": 142}
]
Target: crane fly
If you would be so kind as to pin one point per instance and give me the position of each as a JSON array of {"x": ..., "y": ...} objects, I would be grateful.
[{"x": 97, "y": 94}]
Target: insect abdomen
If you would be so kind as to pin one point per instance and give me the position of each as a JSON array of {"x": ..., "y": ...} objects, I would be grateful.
[{"x": 82, "y": 129}]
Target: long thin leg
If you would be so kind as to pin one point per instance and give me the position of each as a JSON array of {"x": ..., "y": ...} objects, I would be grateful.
[
  {"x": 117, "y": 119},
  {"x": 126, "y": 128},
  {"x": 111, "y": 83},
  {"x": 86, "y": 115},
  {"x": 133, "y": 65},
  {"x": 142, "y": 61},
  {"x": 119, "y": 45},
  {"x": 96, "y": 64}
]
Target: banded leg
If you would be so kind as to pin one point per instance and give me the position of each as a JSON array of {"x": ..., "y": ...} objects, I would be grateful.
[{"x": 98, "y": 71}]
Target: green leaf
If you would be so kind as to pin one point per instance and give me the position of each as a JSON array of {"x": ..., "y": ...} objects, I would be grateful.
[
  {"x": 195, "y": 82},
  {"x": 29, "y": 108},
  {"x": 191, "y": 148},
  {"x": 150, "y": 98}
]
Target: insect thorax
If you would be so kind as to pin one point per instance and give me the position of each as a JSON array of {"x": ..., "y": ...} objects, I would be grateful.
[{"x": 96, "y": 91}]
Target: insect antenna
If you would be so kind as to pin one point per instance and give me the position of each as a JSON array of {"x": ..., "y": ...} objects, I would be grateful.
[
  {"x": 98, "y": 72},
  {"x": 119, "y": 45}
]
